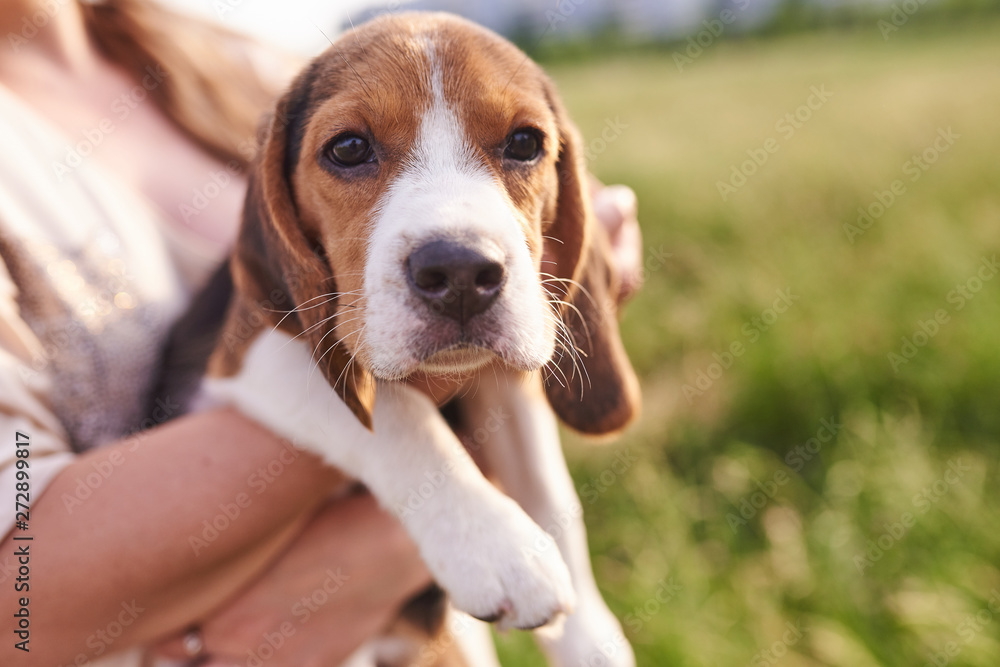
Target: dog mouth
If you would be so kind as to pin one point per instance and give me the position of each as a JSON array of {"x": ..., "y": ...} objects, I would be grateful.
[
  {"x": 397, "y": 343},
  {"x": 461, "y": 357}
]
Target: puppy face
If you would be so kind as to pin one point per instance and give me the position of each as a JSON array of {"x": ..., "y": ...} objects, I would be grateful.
[
  {"x": 427, "y": 173},
  {"x": 421, "y": 198}
]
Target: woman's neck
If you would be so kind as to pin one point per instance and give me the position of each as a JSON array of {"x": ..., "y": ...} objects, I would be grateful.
[{"x": 53, "y": 32}]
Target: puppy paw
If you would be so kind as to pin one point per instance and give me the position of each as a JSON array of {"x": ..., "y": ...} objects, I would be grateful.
[{"x": 499, "y": 566}]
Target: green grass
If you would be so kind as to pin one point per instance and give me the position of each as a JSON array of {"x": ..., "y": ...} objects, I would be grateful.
[{"x": 671, "y": 517}]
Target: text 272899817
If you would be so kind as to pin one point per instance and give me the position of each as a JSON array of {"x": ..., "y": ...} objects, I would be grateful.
[{"x": 22, "y": 541}]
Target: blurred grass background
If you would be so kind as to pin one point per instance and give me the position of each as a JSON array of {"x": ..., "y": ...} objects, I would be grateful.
[{"x": 695, "y": 581}]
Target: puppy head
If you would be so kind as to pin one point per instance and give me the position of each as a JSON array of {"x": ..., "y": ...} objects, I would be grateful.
[{"x": 422, "y": 199}]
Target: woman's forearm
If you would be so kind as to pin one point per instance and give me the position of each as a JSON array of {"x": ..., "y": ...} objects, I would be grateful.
[{"x": 138, "y": 539}]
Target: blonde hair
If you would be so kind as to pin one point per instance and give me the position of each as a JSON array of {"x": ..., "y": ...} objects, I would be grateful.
[{"x": 208, "y": 85}]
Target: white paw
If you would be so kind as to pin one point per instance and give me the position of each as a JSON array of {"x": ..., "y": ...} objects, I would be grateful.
[
  {"x": 591, "y": 636},
  {"x": 499, "y": 566}
]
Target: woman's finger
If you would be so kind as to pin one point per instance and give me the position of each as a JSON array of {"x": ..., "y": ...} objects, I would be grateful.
[{"x": 614, "y": 205}]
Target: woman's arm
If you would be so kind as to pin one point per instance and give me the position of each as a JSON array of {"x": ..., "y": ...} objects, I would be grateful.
[
  {"x": 323, "y": 598},
  {"x": 178, "y": 522}
]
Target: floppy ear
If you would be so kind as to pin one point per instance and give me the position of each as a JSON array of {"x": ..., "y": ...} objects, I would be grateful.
[
  {"x": 274, "y": 256},
  {"x": 593, "y": 390}
]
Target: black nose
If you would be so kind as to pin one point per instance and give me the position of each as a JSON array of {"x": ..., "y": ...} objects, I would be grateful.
[{"x": 455, "y": 280}]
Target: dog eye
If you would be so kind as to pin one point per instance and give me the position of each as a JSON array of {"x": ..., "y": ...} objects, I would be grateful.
[
  {"x": 523, "y": 146},
  {"x": 349, "y": 150}
]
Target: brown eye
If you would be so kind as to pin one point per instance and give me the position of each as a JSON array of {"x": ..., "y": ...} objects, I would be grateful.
[
  {"x": 523, "y": 146},
  {"x": 350, "y": 150}
]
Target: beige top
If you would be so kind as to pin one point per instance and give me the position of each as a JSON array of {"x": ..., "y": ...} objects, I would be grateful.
[{"x": 91, "y": 277}]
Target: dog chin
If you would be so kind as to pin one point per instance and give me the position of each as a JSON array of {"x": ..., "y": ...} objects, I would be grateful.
[
  {"x": 457, "y": 359},
  {"x": 436, "y": 353},
  {"x": 460, "y": 358}
]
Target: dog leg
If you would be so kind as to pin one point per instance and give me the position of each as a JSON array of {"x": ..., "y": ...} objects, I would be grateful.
[
  {"x": 474, "y": 640},
  {"x": 523, "y": 452},
  {"x": 492, "y": 559}
]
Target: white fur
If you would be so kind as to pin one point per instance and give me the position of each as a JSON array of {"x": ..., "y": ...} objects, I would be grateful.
[
  {"x": 528, "y": 462},
  {"x": 443, "y": 192},
  {"x": 481, "y": 547}
]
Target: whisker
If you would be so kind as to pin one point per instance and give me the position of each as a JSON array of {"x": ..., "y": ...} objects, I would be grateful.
[
  {"x": 332, "y": 329},
  {"x": 305, "y": 331},
  {"x": 342, "y": 55},
  {"x": 349, "y": 361},
  {"x": 358, "y": 39}
]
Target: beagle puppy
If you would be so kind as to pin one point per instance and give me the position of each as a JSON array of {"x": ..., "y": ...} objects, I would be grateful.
[{"x": 417, "y": 229}]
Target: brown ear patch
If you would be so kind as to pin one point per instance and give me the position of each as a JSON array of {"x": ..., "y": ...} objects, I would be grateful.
[
  {"x": 274, "y": 257},
  {"x": 594, "y": 391},
  {"x": 593, "y": 388}
]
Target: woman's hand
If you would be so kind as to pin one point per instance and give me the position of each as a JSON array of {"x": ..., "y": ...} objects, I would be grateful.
[
  {"x": 340, "y": 582},
  {"x": 616, "y": 208}
]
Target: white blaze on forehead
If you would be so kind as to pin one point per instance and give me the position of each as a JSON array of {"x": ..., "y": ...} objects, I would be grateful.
[
  {"x": 441, "y": 145},
  {"x": 446, "y": 191},
  {"x": 443, "y": 170}
]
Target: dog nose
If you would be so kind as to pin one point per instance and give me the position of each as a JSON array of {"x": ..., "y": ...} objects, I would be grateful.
[{"x": 455, "y": 280}]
